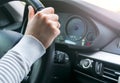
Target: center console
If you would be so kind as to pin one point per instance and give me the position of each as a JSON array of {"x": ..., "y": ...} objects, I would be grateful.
[{"x": 100, "y": 67}]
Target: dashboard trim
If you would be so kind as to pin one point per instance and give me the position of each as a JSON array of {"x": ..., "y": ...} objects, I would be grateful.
[{"x": 108, "y": 57}]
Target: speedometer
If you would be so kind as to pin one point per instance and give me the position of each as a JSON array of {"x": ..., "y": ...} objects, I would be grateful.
[{"x": 75, "y": 28}]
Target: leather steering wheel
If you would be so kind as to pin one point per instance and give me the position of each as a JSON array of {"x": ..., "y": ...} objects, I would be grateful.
[{"x": 40, "y": 72}]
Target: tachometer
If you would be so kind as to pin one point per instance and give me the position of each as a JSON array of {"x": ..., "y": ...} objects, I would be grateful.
[{"x": 75, "y": 28}]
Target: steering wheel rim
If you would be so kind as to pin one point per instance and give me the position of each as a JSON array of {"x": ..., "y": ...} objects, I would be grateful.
[{"x": 49, "y": 56}]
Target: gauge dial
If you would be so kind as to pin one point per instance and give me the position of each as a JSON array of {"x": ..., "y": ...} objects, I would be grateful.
[{"x": 75, "y": 29}]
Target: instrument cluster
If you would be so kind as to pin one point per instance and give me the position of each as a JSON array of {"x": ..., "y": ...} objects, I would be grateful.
[{"x": 76, "y": 31}]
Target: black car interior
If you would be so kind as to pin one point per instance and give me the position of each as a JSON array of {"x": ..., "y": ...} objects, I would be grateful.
[{"x": 86, "y": 51}]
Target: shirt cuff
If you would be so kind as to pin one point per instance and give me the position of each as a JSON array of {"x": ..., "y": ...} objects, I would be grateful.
[{"x": 30, "y": 48}]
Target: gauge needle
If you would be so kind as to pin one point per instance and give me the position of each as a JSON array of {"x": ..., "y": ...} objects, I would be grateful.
[{"x": 83, "y": 42}]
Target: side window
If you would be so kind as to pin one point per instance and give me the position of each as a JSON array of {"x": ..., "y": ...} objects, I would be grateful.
[
  {"x": 5, "y": 19},
  {"x": 11, "y": 16}
]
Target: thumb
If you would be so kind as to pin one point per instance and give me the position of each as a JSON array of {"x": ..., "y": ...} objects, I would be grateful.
[{"x": 31, "y": 12}]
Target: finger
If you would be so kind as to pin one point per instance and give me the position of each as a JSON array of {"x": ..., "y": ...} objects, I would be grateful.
[
  {"x": 53, "y": 17},
  {"x": 31, "y": 12},
  {"x": 56, "y": 24},
  {"x": 48, "y": 10}
]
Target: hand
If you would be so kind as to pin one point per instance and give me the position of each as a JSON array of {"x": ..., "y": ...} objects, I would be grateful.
[{"x": 43, "y": 25}]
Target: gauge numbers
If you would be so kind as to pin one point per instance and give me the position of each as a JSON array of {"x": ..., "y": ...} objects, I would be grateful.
[{"x": 75, "y": 29}]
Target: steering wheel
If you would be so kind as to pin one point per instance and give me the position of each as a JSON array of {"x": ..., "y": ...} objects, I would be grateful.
[{"x": 40, "y": 72}]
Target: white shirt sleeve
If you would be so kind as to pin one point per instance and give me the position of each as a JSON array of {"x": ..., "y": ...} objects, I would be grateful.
[{"x": 16, "y": 63}]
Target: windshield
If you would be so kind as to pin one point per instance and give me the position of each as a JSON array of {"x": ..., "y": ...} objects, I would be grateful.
[{"x": 112, "y": 5}]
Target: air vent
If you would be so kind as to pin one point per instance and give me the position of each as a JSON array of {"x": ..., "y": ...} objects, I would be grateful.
[{"x": 110, "y": 74}]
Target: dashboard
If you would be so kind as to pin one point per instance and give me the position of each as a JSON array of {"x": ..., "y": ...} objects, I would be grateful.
[
  {"x": 82, "y": 32},
  {"x": 91, "y": 47}
]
